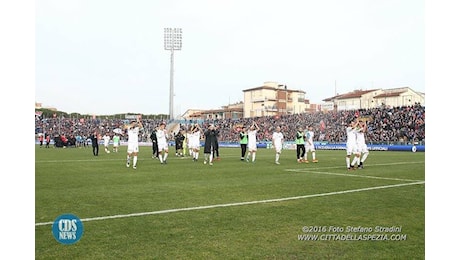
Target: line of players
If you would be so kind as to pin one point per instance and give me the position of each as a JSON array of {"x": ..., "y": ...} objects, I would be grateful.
[
  {"x": 355, "y": 145},
  {"x": 191, "y": 141},
  {"x": 186, "y": 140},
  {"x": 248, "y": 143}
]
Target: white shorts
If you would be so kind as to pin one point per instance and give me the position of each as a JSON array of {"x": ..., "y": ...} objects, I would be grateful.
[
  {"x": 133, "y": 147},
  {"x": 278, "y": 148},
  {"x": 309, "y": 148},
  {"x": 252, "y": 146},
  {"x": 362, "y": 148},
  {"x": 162, "y": 146},
  {"x": 352, "y": 149},
  {"x": 195, "y": 145},
  {"x": 115, "y": 145}
]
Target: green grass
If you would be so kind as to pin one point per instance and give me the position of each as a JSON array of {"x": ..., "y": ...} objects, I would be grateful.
[{"x": 262, "y": 227}]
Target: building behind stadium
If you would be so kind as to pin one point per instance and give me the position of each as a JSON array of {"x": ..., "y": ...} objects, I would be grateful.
[{"x": 274, "y": 99}]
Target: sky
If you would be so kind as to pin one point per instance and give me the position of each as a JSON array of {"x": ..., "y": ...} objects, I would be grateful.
[{"x": 107, "y": 56}]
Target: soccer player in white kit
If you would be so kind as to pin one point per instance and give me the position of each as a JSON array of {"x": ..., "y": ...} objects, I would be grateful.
[
  {"x": 106, "y": 139},
  {"x": 352, "y": 146},
  {"x": 133, "y": 142},
  {"x": 162, "y": 141},
  {"x": 361, "y": 143},
  {"x": 277, "y": 140},
  {"x": 194, "y": 139},
  {"x": 252, "y": 142},
  {"x": 309, "y": 145}
]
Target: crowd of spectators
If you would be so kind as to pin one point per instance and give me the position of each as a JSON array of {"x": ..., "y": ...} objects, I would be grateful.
[{"x": 386, "y": 125}]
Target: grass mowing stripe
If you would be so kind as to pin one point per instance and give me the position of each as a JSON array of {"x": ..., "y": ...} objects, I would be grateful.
[
  {"x": 241, "y": 203},
  {"x": 367, "y": 165},
  {"x": 74, "y": 181},
  {"x": 185, "y": 158},
  {"x": 350, "y": 175}
]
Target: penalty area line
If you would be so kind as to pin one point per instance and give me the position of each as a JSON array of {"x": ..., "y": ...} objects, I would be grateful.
[{"x": 241, "y": 203}]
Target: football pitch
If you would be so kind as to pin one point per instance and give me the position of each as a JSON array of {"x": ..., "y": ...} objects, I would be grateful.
[{"x": 232, "y": 209}]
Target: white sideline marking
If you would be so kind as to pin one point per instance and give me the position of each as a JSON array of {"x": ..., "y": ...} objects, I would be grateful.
[{"x": 240, "y": 203}]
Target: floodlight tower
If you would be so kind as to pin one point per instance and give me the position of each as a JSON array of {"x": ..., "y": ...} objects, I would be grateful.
[{"x": 173, "y": 42}]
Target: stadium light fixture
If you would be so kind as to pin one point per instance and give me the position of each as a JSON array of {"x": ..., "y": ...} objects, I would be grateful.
[{"x": 172, "y": 42}]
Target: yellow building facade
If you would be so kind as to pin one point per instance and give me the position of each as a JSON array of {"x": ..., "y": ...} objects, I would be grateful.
[{"x": 272, "y": 99}]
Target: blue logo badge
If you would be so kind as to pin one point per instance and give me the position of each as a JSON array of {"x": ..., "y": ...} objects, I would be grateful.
[{"x": 67, "y": 229}]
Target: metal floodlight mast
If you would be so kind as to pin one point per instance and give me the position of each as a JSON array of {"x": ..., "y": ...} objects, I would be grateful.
[{"x": 173, "y": 42}]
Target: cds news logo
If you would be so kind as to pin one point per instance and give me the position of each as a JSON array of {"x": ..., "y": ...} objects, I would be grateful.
[{"x": 67, "y": 229}]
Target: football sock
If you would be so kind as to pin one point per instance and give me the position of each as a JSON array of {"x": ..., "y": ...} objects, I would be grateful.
[
  {"x": 355, "y": 159},
  {"x": 364, "y": 156}
]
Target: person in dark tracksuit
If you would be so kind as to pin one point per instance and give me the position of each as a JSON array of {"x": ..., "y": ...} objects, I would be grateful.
[
  {"x": 243, "y": 142},
  {"x": 210, "y": 140},
  {"x": 153, "y": 137},
  {"x": 216, "y": 145},
  {"x": 94, "y": 141}
]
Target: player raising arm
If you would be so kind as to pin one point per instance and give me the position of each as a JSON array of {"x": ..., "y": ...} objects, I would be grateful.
[
  {"x": 361, "y": 142},
  {"x": 352, "y": 147},
  {"x": 252, "y": 141},
  {"x": 133, "y": 141},
  {"x": 277, "y": 140}
]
